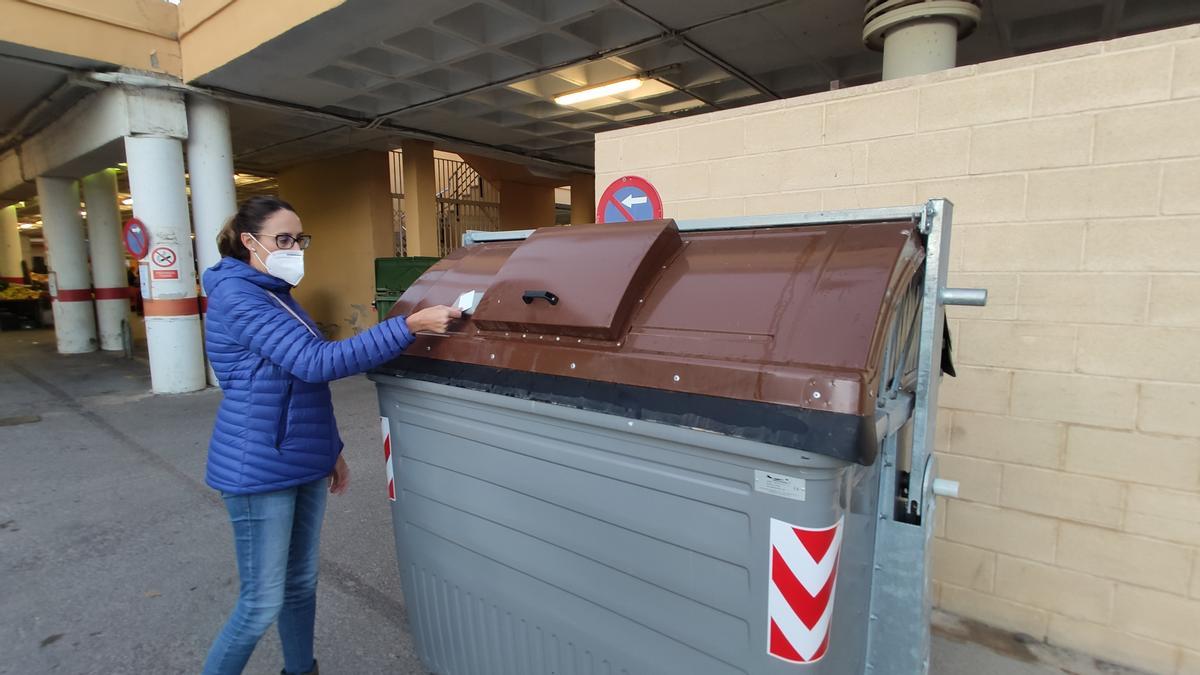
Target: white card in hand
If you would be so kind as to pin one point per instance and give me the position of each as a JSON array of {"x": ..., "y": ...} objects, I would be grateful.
[{"x": 467, "y": 302}]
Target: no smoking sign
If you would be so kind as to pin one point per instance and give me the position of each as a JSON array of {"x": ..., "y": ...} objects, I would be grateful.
[{"x": 163, "y": 257}]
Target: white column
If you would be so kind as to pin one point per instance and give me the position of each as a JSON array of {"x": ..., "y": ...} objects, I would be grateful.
[
  {"x": 10, "y": 246},
  {"x": 27, "y": 251},
  {"x": 108, "y": 258},
  {"x": 918, "y": 38},
  {"x": 919, "y": 47},
  {"x": 210, "y": 173},
  {"x": 172, "y": 313},
  {"x": 71, "y": 281}
]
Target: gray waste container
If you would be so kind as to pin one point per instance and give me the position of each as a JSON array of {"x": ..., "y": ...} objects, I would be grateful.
[{"x": 660, "y": 448}]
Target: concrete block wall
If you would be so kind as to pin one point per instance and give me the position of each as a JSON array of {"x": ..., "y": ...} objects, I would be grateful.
[{"x": 1074, "y": 424}]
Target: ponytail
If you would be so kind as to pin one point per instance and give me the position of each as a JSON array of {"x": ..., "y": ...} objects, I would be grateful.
[
  {"x": 229, "y": 242},
  {"x": 248, "y": 220}
]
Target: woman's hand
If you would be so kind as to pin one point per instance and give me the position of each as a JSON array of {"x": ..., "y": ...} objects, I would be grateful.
[
  {"x": 339, "y": 480},
  {"x": 435, "y": 319}
]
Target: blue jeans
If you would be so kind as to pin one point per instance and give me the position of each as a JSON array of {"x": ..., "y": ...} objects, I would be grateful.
[{"x": 277, "y": 536}]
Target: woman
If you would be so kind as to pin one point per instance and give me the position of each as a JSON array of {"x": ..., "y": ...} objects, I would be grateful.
[{"x": 275, "y": 441}]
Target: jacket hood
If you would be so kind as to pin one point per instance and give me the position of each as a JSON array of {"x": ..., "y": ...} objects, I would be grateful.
[{"x": 232, "y": 268}]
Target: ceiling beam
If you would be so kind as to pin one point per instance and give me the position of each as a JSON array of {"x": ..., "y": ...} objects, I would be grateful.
[{"x": 717, "y": 61}]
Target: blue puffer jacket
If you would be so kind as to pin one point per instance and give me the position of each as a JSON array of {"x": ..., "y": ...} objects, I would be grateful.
[{"x": 275, "y": 428}]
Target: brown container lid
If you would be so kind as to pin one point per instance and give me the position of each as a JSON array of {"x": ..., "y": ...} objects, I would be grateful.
[
  {"x": 577, "y": 281},
  {"x": 774, "y": 334}
]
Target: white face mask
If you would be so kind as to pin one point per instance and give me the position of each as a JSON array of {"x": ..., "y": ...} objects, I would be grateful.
[{"x": 285, "y": 265}]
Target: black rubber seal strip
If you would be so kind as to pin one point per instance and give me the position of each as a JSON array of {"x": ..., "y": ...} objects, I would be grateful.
[{"x": 850, "y": 438}]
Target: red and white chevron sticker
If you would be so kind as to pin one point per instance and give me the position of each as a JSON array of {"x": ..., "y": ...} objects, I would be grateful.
[
  {"x": 387, "y": 457},
  {"x": 804, "y": 566}
]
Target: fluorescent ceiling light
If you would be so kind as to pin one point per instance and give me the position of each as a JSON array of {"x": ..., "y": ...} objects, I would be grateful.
[
  {"x": 27, "y": 226},
  {"x": 128, "y": 201},
  {"x": 590, "y": 93}
]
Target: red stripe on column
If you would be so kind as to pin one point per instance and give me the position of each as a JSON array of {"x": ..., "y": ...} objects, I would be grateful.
[
  {"x": 74, "y": 295},
  {"x": 162, "y": 308},
  {"x": 204, "y": 304},
  {"x": 13, "y": 280},
  {"x": 121, "y": 293}
]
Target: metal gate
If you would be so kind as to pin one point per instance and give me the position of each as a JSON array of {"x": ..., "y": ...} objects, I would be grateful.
[{"x": 465, "y": 201}]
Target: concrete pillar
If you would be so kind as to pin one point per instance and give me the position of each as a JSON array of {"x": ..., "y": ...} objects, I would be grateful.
[
  {"x": 525, "y": 206},
  {"x": 108, "y": 257},
  {"x": 27, "y": 253},
  {"x": 172, "y": 312},
  {"x": 420, "y": 198},
  {"x": 918, "y": 38},
  {"x": 210, "y": 173},
  {"x": 10, "y": 246},
  {"x": 583, "y": 198},
  {"x": 70, "y": 279},
  {"x": 345, "y": 203}
]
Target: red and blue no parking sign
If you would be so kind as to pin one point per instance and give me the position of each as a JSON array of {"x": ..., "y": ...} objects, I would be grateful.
[
  {"x": 136, "y": 238},
  {"x": 629, "y": 198}
]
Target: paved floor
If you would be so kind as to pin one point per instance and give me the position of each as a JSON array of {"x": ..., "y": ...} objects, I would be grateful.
[{"x": 116, "y": 558}]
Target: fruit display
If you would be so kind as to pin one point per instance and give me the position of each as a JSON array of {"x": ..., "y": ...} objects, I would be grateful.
[{"x": 15, "y": 292}]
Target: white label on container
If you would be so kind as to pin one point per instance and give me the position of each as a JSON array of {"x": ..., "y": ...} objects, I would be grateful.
[{"x": 780, "y": 485}]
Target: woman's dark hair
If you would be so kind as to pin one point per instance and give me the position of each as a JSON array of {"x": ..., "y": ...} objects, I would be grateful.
[{"x": 248, "y": 220}]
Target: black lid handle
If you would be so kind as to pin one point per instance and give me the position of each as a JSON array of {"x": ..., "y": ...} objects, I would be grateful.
[{"x": 530, "y": 296}]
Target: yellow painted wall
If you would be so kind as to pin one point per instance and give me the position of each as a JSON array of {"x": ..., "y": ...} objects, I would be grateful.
[
  {"x": 345, "y": 203},
  {"x": 123, "y": 33},
  {"x": 583, "y": 198},
  {"x": 215, "y": 32},
  {"x": 420, "y": 202},
  {"x": 186, "y": 41},
  {"x": 1074, "y": 423},
  {"x": 524, "y": 206}
]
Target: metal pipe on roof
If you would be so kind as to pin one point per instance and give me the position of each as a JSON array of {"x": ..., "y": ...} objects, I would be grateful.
[{"x": 918, "y": 36}]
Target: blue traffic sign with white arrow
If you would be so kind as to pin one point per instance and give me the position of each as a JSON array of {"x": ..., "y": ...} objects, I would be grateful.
[{"x": 629, "y": 198}]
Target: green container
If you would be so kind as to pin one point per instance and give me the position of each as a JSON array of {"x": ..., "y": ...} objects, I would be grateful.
[
  {"x": 384, "y": 303},
  {"x": 393, "y": 276}
]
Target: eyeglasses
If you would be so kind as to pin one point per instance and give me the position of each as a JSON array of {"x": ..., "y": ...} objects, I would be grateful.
[{"x": 285, "y": 241}]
